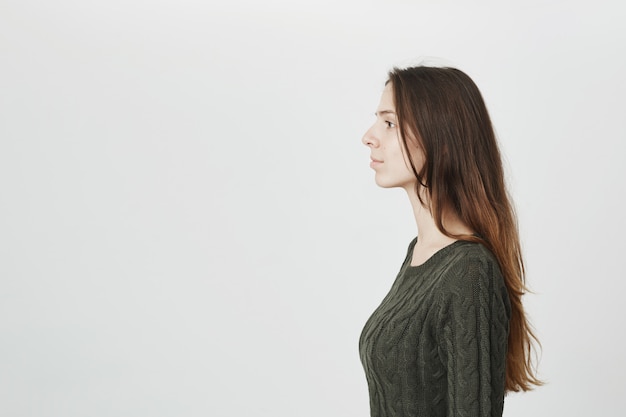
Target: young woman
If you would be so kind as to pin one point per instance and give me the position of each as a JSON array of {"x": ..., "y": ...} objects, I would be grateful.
[{"x": 451, "y": 337}]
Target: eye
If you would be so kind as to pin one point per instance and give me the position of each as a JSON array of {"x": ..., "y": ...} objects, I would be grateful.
[{"x": 390, "y": 125}]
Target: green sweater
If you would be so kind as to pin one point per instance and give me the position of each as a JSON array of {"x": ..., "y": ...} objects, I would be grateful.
[{"x": 436, "y": 345}]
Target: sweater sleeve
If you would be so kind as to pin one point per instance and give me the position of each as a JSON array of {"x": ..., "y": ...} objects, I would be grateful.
[{"x": 472, "y": 337}]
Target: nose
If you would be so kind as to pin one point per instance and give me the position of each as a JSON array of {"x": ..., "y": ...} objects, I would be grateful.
[{"x": 369, "y": 138}]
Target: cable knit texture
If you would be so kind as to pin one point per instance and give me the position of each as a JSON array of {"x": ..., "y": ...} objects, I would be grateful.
[{"x": 436, "y": 345}]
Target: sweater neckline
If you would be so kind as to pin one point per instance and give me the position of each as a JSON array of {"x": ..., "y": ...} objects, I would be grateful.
[{"x": 433, "y": 258}]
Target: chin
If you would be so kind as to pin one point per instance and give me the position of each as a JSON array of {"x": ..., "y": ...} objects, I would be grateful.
[
  {"x": 387, "y": 184},
  {"x": 390, "y": 183}
]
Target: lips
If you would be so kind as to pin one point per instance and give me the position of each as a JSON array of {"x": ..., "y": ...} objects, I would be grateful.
[{"x": 375, "y": 163}]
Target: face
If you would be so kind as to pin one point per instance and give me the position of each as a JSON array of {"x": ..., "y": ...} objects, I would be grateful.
[{"x": 390, "y": 162}]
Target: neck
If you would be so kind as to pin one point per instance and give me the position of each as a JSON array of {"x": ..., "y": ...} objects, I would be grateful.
[
  {"x": 427, "y": 230},
  {"x": 429, "y": 234}
]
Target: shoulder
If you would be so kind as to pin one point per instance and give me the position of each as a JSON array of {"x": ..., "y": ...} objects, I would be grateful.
[
  {"x": 472, "y": 283},
  {"x": 471, "y": 266}
]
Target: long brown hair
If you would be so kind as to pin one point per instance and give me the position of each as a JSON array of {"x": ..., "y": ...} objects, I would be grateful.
[{"x": 442, "y": 113}]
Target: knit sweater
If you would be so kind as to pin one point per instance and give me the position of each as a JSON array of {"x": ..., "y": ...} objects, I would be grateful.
[{"x": 436, "y": 345}]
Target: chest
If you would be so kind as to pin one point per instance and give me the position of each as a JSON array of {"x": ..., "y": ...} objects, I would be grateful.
[{"x": 404, "y": 322}]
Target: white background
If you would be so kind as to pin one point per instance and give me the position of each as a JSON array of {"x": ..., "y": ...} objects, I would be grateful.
[{"x": 188, "y": 222}]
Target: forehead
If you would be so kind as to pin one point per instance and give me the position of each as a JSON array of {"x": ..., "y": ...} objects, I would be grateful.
[{"x": 386, "y": 99}]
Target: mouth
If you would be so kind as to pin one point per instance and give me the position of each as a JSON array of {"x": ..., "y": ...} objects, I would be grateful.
[{"x": 375, "y": 163}]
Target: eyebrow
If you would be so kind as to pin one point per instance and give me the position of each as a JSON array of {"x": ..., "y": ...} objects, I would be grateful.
[{"x": 380, "y": 113}]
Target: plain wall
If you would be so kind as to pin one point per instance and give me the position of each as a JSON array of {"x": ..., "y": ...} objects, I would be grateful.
[{"x": 189, "y": 225}]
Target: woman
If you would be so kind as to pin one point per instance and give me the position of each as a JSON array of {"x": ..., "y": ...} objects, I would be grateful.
[{"x": 451, "y": 337}]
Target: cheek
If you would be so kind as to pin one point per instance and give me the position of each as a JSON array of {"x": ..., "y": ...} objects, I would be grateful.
[
  {"x": 416, "y": 156},
  {"x": 402, "y": 156}
]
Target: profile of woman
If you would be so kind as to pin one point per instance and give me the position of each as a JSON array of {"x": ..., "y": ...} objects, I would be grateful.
[{"x": 451, "y": 336}]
